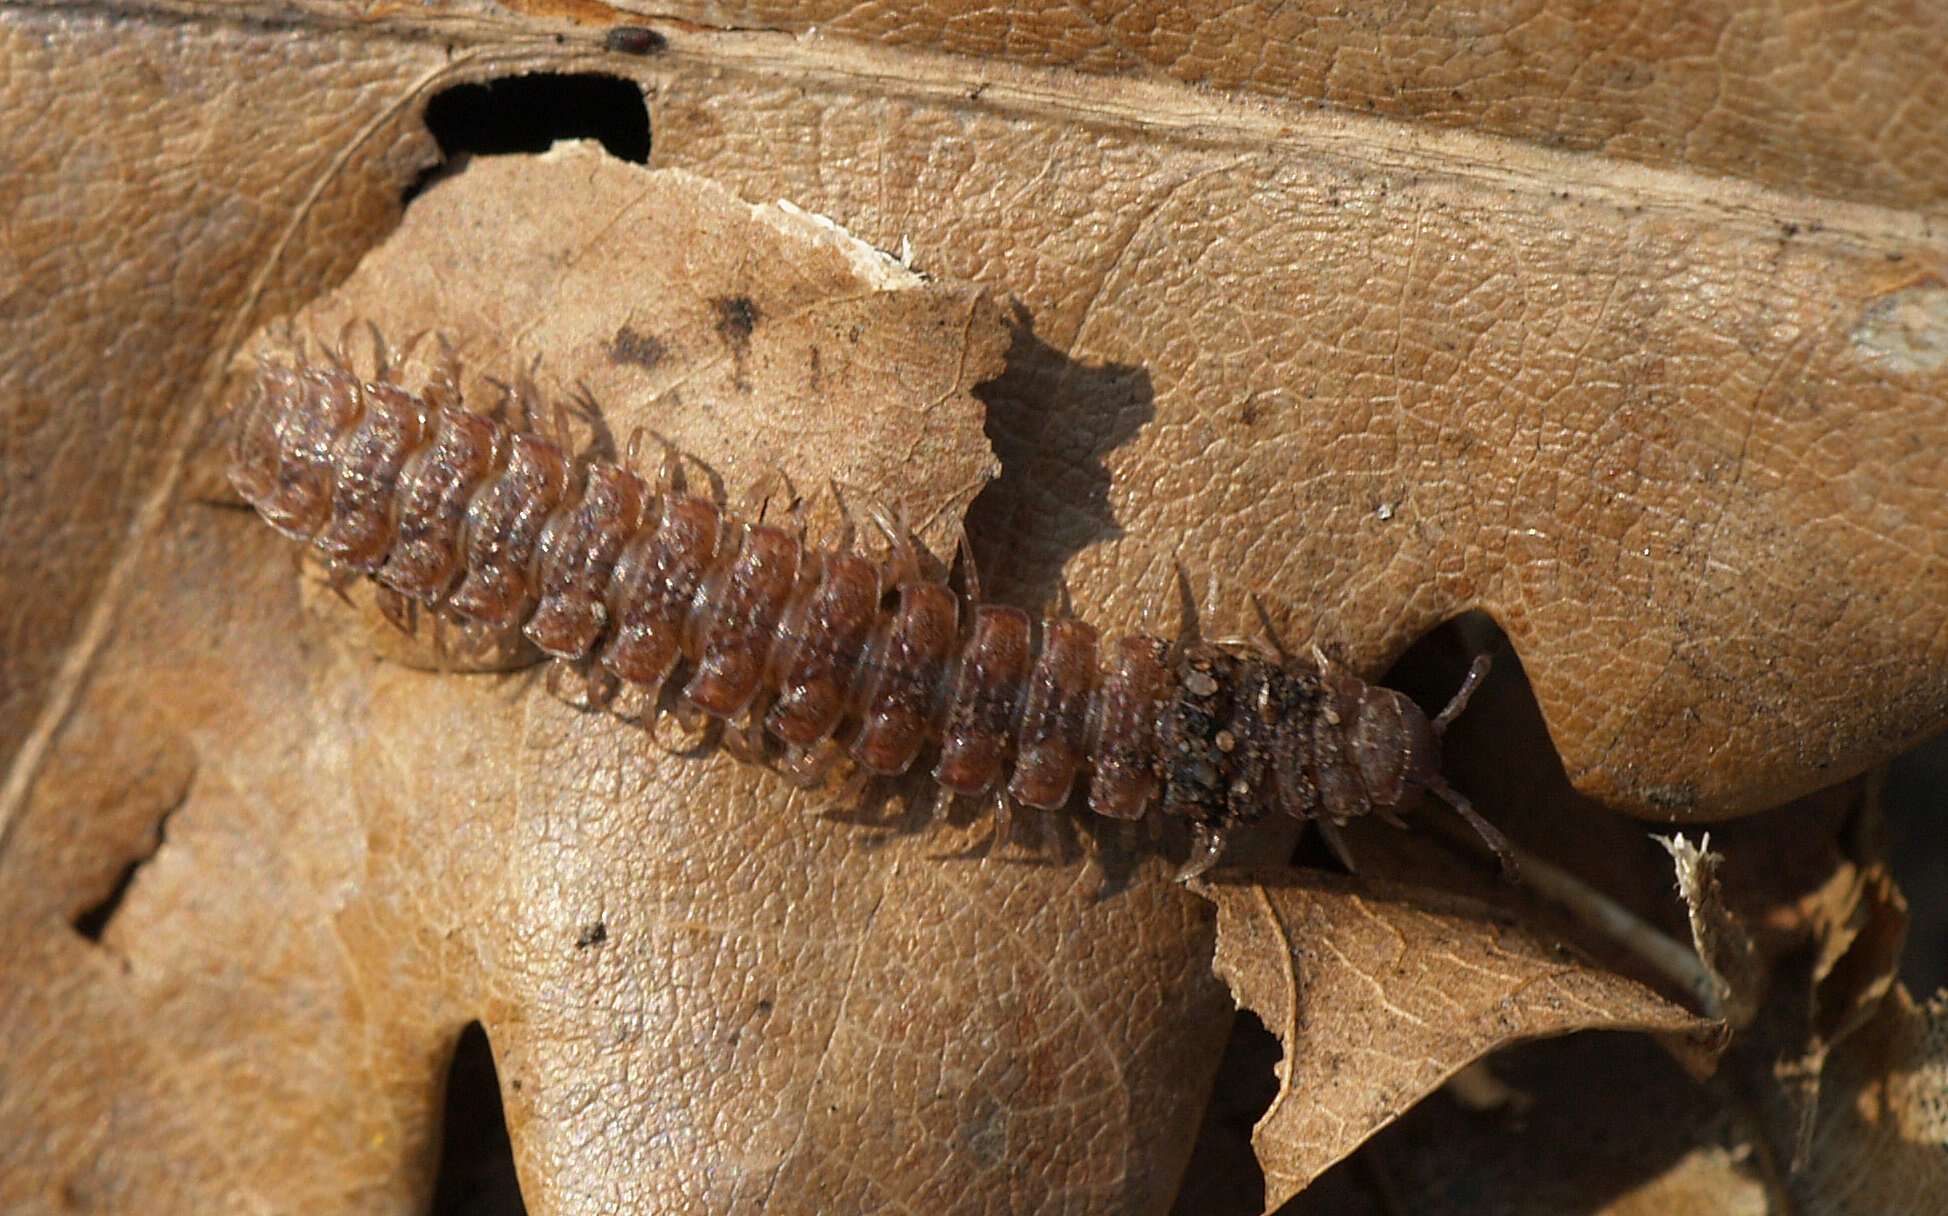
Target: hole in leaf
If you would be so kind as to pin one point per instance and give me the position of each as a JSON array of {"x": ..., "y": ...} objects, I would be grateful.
[
  {"x": 476, "y": 1176},
  {"x": 1224, "y": 1176},
  {"x": 91, "y": 922},
  {"x": 528, "y": 114},
  {"x": 94, "y": 919}
]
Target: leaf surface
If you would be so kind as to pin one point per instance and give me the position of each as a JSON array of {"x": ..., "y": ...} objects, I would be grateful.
[
  {"x": 1625, "y": 332},
  {"x": 1380, "y": 993}
]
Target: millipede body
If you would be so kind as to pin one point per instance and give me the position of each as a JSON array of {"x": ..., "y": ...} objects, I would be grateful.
[{"x": 820, "y": 655}]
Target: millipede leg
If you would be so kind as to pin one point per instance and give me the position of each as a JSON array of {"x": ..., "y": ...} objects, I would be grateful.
[
  {"x": 1269, "y": 644},
  {"x": 941, "y": 806},
  {"x": 903, "y": 563},
  {"x": 394, "y": 362},
  {"x": 638, "y": 702},
  {"x": 1003, "y": 807},
  {"x": 745, "y": 740},
  {"x": 443, "y": 386},
  {"x": 807, "y": 766},
  {"x": 757, "y": 499},
  {"x": 851, "y": 795},
  {"x": 1336, "y": 842},
  {"x": 1490, "y": 836},
  {"x": 1477, "y": 671},
  {"x": 337, "y": 578},
  {"x": 340, "y": 354},
  {"x": 848, "y": 530},
  {"x": 401, "y": 612},
  {"x": 599, "y": 685},
  {"x": 694, "y": 724},
  {"x": 970, "y": 570},
  {"x": 1206, "y": 849}
]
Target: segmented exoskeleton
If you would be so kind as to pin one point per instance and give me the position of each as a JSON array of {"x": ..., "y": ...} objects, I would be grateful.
[{"x": 821, "y": 655}]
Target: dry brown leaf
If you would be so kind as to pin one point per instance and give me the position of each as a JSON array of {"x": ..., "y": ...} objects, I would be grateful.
[
  {"x": 698, "y": 993},
  {"x": 1380, "y": 993},
  {"x": 1650, "y": 421},
  {"x": 1881, "y": 1144},
  {"x": 1598, "y": 1125},
  {"x": 1735, "y": 973},
  {"x": 1677, "y": 432}
]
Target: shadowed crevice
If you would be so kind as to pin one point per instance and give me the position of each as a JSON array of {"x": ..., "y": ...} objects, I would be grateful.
[
  {"x": 91, "y": 922},
  {"x": 528, "y": 114},
  {"x": 476, "y": 1175},
  {"x": 1223, "y": 1177}
]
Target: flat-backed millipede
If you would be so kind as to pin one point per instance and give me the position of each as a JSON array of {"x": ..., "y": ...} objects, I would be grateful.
[{"x": 818, "y": 655}]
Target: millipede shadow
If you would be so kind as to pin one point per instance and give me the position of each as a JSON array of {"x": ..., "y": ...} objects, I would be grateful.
[{"x": 1051, "y": 420}]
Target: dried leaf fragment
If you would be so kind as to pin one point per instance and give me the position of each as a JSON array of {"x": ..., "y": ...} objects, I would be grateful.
[
  {"x": 1881, "y": 1142},
  {"x": 1736, "y": 976},
  {"x": 698, "y": 991},
  {"x": 1380, "y": 992}
]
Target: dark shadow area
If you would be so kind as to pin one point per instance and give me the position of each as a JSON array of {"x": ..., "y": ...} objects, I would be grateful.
[
  {"x": 528, "y": 114},
  {"x": 1223, "y": 1177},
  {"x": 1915, "y": 802},
  {"x": 91, "y": 922},
  {"x": 1544, "y": 1146},
  {"x": 476, "y": 1175},
  {"x": 1051, "y": 420},
  {"x": 94, "y": 919}
]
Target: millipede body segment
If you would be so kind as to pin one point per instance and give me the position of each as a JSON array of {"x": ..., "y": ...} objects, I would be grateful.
[{"x": 823, "y": 655}]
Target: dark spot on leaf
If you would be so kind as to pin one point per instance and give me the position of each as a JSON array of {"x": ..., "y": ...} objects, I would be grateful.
[
  {"x": 634, "y": 40},
  {"x": 737, "y": 316},
  {"x": 643, "y": 350},
  {"x": 592, "y": 935},
  {"x": 1682, "y": 796}
]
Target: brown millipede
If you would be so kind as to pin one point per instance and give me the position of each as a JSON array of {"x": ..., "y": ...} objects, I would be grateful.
[{"x": 819, "y": 656}]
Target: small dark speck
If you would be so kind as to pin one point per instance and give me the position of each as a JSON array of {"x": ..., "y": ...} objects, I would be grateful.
[
  {"x": 592, "y": 935},
  {"x": 1791, "y": 230},
  {"x": 737, "y": 316},
  {"x": 1249, "y": 415},
  {"x": 516, "y": 1083},
  {"x": 764, "y": 1005},
  {"x": 634, "y": 40},
  {"x": 629, "y": 346}
]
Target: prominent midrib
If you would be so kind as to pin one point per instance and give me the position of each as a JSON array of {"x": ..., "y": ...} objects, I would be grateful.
[{"x": 1154, "y": 106}]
